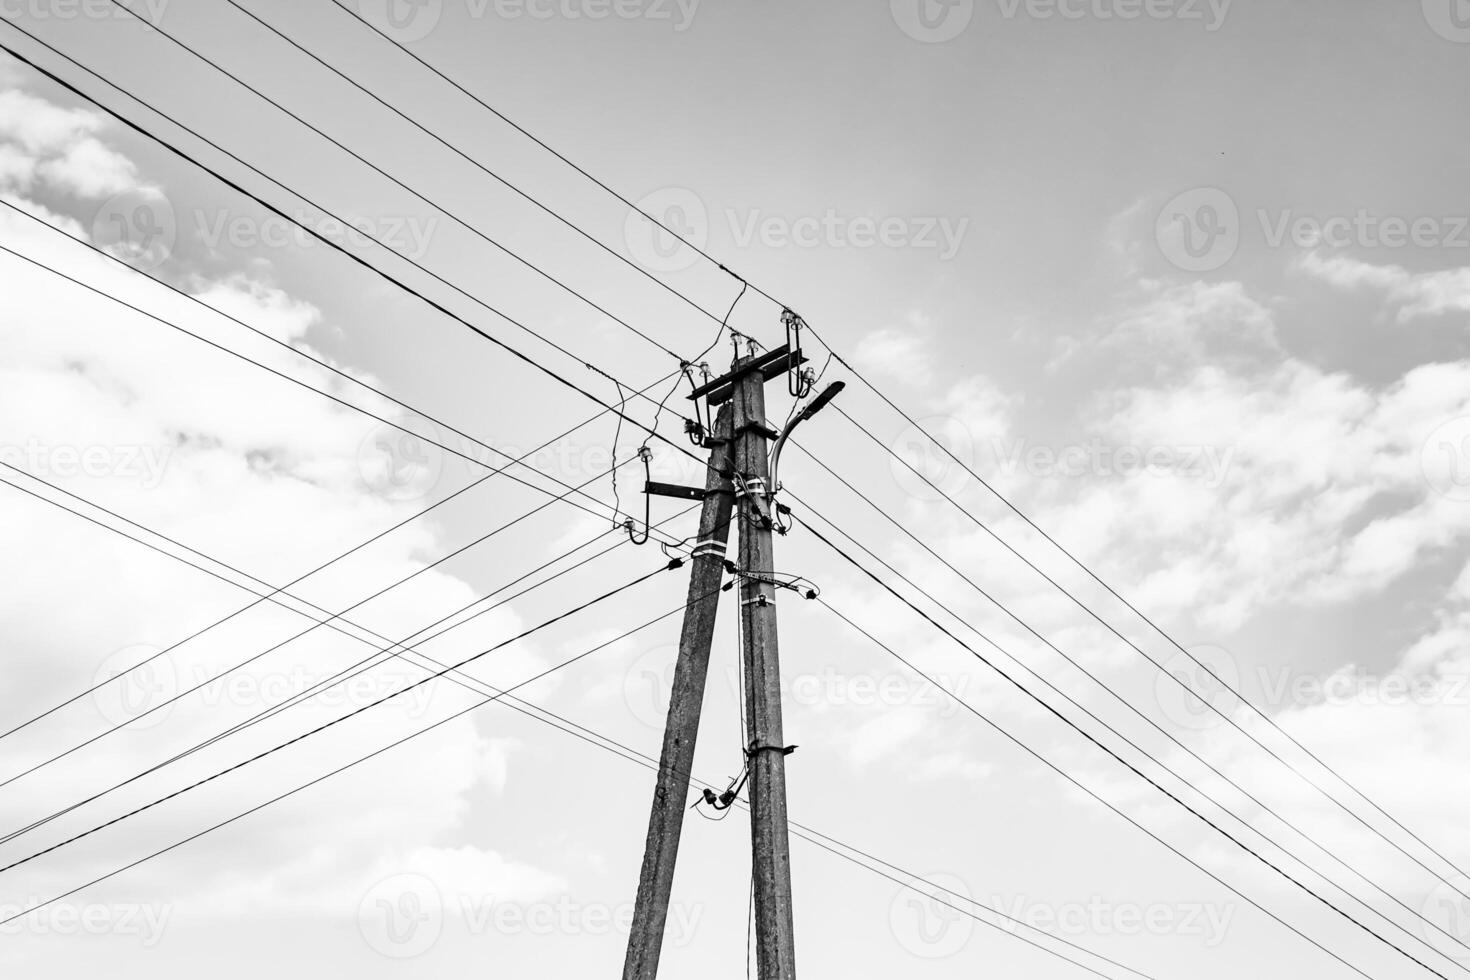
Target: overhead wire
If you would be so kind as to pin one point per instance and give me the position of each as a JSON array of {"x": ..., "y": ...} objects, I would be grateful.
[
  {"x": 1093, "y": 740},
  {"x": 514, "y": 352},
  {"x": 1172, "y": 676},
  {"x": 307, "y": 356},
  {"x": 948, "y": 897},
  {"x": 568, "y": 382},
  {"x": 128, "y": 867},
  {"x": 684, "y": 240},
  {"x": 474, "y": 230},
  {"x": 1143, "y": 716},
  {"x": 412, "y": 575},
  {"x": 394, "y": 650},
  {"x": 545, "y": 624}
]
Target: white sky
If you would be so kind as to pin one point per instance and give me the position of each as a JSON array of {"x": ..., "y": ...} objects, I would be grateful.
[{"x": 1230, "y": 238}]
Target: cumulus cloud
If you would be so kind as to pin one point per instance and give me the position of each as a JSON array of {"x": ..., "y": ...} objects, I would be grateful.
[
  {"x": 1417, "y": 295},
  {"x": 901, "y": 353},
  {"x": 44, "y": 143}
]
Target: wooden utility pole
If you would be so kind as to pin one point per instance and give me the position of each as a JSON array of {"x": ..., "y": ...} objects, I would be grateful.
[
  {"x": 739, "y": 476},
  {"x": 686, "y": 702},
  {"x": 766, "y": 754}
]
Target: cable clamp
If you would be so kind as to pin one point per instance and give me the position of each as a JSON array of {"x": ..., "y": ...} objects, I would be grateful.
[
  {"x": 758, "y": 600},
  {"x": 710, "y": 548},
  {"x": 747, "y": 488}
]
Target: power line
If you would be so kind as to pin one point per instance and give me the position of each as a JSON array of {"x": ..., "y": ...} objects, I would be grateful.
[
  {"x": 1180, "y": 682},
  {"x": 450, "y": 672},
  {"x": 1131, "y": 707},
  {"x": 392, "y": 280},
  {"x": 478, "y": 164},
  {"x": 594, "y": 398},
  {"x": 549, "y": 149},
  {"x": 283, "y": 643},
  {"x": 72, "y": 700},
  {"x": 447, "y": 672},
  {"x": 1120, "y": 760},
  {"x": 623, "y": 751},
  {"x": 911, "y": 421},
  {"x": 319, "y": 779},
  {"x": 677, "y": 563},
  {"x": 405, "y": 644},
  {"x": 328, "y": 395},
  {"x": 396, "y": 181},
  {"x": 1061, "y": 772},
  {"x": 492, "y": 471}
]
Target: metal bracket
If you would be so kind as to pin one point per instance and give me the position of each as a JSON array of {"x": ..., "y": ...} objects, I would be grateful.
[
  {"x": 674, "y": 490},
  {"x": 783, "y": 749},
  {"x": 762, "y": 428},
  {"x": 778, "y": 361}
]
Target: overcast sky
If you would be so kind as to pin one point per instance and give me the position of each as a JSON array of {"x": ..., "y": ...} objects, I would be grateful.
[{"x": 1186, "y": 280}]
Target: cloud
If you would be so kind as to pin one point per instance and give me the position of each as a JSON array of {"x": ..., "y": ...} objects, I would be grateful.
[
  {"x": 1416, "y": 294},
  {"x": 43, "y": 143},
  {"x": 898, "y": 353},
  {"x": 122, "y": 410}
]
